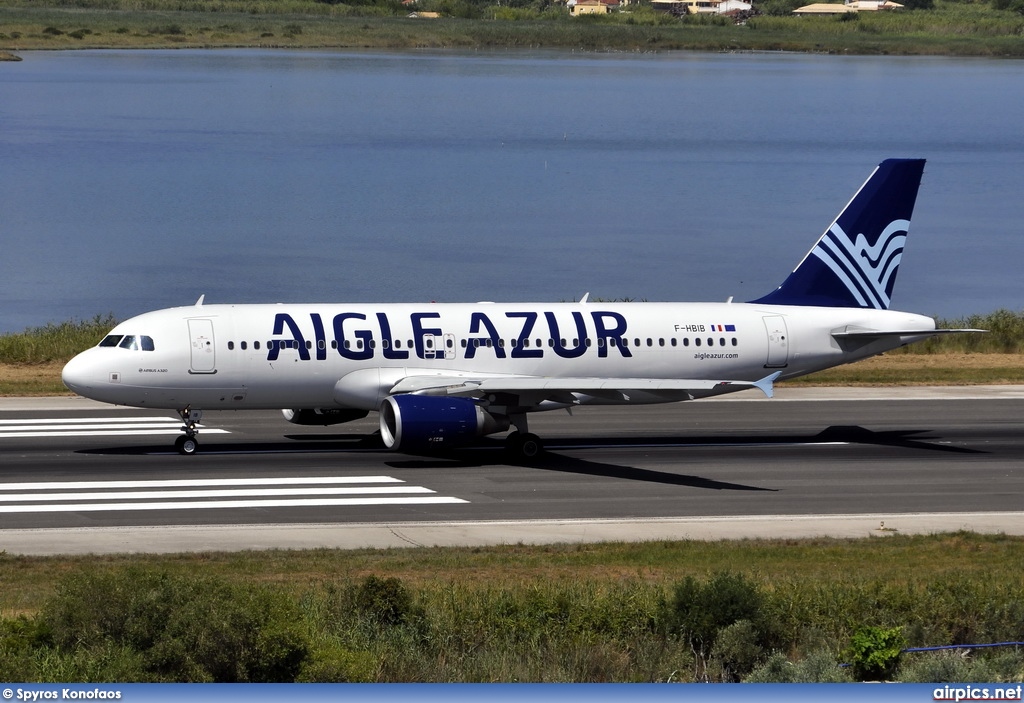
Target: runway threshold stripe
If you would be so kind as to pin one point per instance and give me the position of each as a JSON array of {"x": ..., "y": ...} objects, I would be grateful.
[
  {"x": 67, "y": 427},
  {"x": 201, "y": 505},
  {"x": 132, "y": 425},
  {"x": 187, "y": 482},
  {"x": 254, "y": 492},
  {"x": 105, "y": 433},
  {"x": 86, "y": 420}
]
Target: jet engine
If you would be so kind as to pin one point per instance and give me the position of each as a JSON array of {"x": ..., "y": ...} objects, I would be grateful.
[
  {"x": 323, "y": 416},
  {"x": 431, "y": 423}
]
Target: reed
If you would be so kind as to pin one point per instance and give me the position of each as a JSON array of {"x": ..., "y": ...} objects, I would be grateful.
[
  {"x": 1005, "y": 335},
  {"x": 54, "y": 341}
]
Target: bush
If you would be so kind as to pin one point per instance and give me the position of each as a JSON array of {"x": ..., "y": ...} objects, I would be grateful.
[
  {"x": 875, "y": 652},
  {"x": 737, "y": 651},
  {"x": 697, "y": 612},
  {"x": 385, "y": 601},
  {"x": 184, "y": 628},
  {"x": 105, "y": 663},
  {"x": 336, "y": 664},
  {"x": 949, "y": 666},
  {"x": 818, "y": 667}
]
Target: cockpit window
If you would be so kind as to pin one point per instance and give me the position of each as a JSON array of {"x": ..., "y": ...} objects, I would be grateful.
[{"x": 132, "y": 342}]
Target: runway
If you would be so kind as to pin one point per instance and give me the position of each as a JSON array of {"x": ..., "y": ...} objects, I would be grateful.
[{"x": 76, "y": 476}]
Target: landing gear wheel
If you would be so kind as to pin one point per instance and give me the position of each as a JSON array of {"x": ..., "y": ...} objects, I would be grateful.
[
  {"x": 186, "y": 445},
  {"x": 524, "y": 445}
]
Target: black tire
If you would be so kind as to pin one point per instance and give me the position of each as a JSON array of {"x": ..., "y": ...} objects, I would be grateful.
[
  {"x": 186, "y": 445},
  {"x": 524, "y": 445}
]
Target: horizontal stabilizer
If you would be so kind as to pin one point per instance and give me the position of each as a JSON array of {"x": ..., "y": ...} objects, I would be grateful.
[{"x": 881, "y": 334}]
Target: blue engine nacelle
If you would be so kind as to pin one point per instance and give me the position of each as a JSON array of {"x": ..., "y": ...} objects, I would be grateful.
[{"x": 431, "y": 423}]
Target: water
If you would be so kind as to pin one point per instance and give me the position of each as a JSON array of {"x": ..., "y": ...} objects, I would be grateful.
[{"x": 134, "y": 180}]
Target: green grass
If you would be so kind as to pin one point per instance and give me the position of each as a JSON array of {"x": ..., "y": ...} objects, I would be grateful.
[
  {"x": 595, "y": 612},
  {"x": 54, "y": 342},
  {"x": 1005, "y": 335},
  {"x": 870, "y": 373},
  {"x": 27, "y": 582}
]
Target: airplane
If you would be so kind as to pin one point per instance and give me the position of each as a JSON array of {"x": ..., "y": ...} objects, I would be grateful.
[{"x": 443, "y": 375}]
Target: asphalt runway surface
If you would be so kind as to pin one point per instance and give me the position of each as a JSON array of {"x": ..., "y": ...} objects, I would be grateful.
[{"x": 77, "y": 476}]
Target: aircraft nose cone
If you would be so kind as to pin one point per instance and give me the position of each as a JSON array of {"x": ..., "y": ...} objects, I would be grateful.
[{"x": 77, "y": 375}]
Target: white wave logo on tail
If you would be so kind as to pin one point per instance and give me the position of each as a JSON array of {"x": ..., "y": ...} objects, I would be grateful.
[{"x": 866, "y": 271}]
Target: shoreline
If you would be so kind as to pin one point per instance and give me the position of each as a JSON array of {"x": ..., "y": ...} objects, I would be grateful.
[{"x": 939, "y": 32}]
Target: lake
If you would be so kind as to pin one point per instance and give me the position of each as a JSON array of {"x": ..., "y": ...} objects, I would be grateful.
[{"x": 134, "y": 180}]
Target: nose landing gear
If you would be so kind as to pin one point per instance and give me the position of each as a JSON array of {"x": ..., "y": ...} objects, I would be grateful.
[{"x": 187, "y": 443}]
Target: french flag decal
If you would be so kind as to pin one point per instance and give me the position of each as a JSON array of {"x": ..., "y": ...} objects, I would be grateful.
[{"x": 723, "y": 328}]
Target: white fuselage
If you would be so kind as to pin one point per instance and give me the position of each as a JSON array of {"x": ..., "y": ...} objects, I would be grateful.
[{"x": 298, "y": 356}]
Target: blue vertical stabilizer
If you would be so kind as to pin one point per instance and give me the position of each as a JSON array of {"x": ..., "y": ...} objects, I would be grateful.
[{"x": 854, "y": 264}]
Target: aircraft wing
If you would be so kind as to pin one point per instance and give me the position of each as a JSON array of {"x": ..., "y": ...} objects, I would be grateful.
[{"x": 538, "y": 388}]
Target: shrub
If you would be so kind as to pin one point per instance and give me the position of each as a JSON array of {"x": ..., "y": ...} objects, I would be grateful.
[
  {"x": 698, "y": 611},
  {"x": 875, "y": 652},
  {"x": 950, "y": 666},
  {"x": 184, "y": 628},
  {"x": 386, "y": 601},
  {"x": 818, "y": 667},
  {"x": 108, "y": 662},
  {"x": 737, "y": 651},
  {"x": 336, "y": 664}
]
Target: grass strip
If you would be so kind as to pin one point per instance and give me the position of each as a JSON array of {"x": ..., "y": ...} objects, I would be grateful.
[
  {"x": 654, "y": 611},
  {"x": 26, "y": 582}
]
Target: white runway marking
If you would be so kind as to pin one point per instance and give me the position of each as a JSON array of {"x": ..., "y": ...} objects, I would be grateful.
[
  {"x": 300, "y": 491},
  {"x": 187, "y": 482},
  {"x": 76, "y": 420},
  {"x": 94, "y": 427},
  {"x": 254, "y": 492}
]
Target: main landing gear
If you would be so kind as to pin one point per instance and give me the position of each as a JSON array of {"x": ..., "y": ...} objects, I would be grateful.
[
  {"x": 523, "y": 444},
  {"x": 187, "y": 443}
]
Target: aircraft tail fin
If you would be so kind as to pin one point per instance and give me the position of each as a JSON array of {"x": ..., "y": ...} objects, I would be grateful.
[{"x": 854, "y": 263}]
